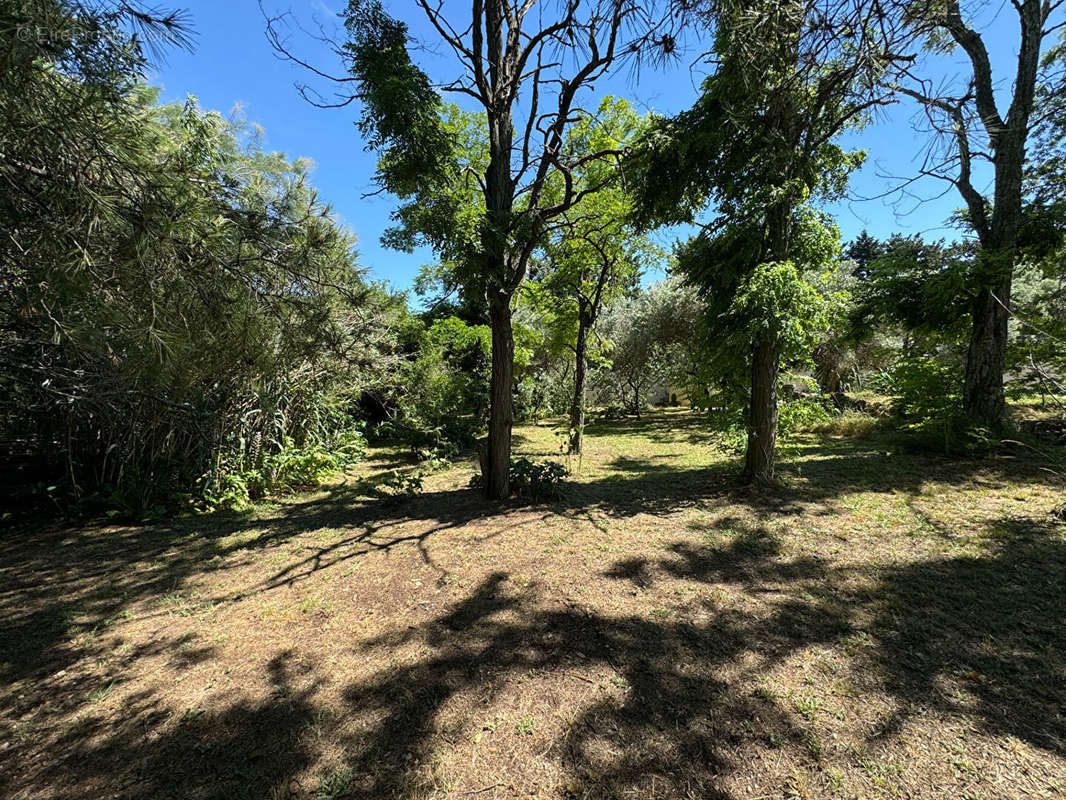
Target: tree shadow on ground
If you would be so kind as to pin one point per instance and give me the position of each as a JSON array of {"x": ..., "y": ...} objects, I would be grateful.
[
  {"x": 981, "y": 637},
  {"x": 473, "y": 651},
  {"x": 58, "y": 582},
  {"x": 978, "y": 637}
]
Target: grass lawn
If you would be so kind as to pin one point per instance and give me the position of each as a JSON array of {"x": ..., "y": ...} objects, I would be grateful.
[{"x": 884, "y": 625}]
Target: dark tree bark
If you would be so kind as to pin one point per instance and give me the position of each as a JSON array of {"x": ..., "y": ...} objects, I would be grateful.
[
  {"x": 501, "y": 412},
  {"x": 997, "y": 224},
  {"x": 762, "y": 415},
  {"x": 983, "y": 397},
  {"x": 577, "y": 407},
  {"x": 761, "y": 449}
]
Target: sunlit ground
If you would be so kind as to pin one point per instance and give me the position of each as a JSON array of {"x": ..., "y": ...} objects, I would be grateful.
[{"x": 887, "y": 624}]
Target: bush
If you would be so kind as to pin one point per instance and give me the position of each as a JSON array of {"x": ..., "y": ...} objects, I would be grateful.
[
  {"x": 403, "y": 484},
  {"x": 927, "y": 389},
  {"x": 537, "y": 479},
  {"x": 611, "y": 412},
  {"x": 186, "y": 319},
  {"x": 802, "y": 413},
  {"x": 532, "y": 480},
  {"x": 930, "y": 405},
  {"x": 236, "y": 485}
]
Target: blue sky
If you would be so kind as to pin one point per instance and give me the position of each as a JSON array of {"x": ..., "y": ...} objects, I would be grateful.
[{"x": 233, "y": 65}]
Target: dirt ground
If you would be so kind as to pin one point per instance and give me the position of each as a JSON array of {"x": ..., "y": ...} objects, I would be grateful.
[{"x": 886, "y": 624}]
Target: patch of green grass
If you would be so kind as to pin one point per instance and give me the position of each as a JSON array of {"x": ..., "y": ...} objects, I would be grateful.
[
  {"x": 808, "y": 705},
  {"x": 99, "y": 694},
  {"x": 525, "y": 726},
  {"x": 336, "y": 785}
]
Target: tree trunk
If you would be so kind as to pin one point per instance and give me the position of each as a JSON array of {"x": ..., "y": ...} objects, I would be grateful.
[
  {"x": 765, "y": 365},
  {"x": 983, "y": 398},
  {"x": 762, "y": 414},
  {"x": 577, "y": 407},
  {"x": 501, "y": 417}
]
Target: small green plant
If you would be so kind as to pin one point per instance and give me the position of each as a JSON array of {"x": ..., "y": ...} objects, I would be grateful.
[
  {"x": 336, "y": 785},
  {"x": 526, "y": 726},
  {"x": 237, "y": 482},
  {"x": 801, "y": 413},
  {"x": 532, "y": 480},
  {"x": 808, "y": 706},
  {"x": 436, "y": 459},
  {"x": 403, "y": 484}
]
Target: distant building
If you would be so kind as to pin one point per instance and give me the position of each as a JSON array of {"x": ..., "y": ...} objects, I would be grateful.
[{"x": 668, "y": 395}]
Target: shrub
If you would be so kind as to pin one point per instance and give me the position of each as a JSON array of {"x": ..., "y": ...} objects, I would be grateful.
[
  {"x": 403, "y": 484},
  {"x": 930, "y": 404},
  {"x": 532, "y": 480},
  {"x": 536, "y": 479},
  {"x": 802, "y": 413},
  {"x": 235, "y": 485}
]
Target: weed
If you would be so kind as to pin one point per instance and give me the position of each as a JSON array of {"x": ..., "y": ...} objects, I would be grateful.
[{"x": 525, "y": 726}]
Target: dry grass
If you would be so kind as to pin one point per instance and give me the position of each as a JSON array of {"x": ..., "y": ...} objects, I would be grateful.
[
  {"x": 883, "y": 625},
  {"x": 849, "y": 425}
]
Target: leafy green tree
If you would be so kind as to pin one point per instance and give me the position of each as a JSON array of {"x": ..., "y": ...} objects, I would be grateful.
[
  {"x": 793, "y": 299},
  {"x": 757, "y": 146},
  {"x": 978, "y": 122},
  {"x": 524, "y": 67},
  {"x": 441, "y": 394},
  {"x": 593, "y": 253},
  {"x": 863, "y": 251},
  {"x": 649, "y": 341},
  {"x": 179, "y": 307},
  {"x": 923, "y": 287}
]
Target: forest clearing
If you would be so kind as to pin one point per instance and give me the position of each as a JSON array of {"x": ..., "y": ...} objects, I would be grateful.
[
  {"x": 890, "y": 624},
  {"x": 549, "y": 399}
]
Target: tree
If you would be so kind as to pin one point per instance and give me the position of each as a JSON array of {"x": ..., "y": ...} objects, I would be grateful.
[
  {"x": 758, "y": 145},
  {"x": 593, "y": 252},
  {"x": 524, "y": 68},
  {"x": 177, "y": 305},
  {"x": 741, "y": 304},
  {"x": 863, "y": 251},
  {"x": 975, "y": 130},
  {"x": 649, "y": 339},
  {"x": 924, "y": 287}
]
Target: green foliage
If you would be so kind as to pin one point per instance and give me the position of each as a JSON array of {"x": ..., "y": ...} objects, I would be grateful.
[
  {"x": 236, "y": 484},
  {"x": 536, "y": 480},
  {"x": 441, "y": 393},
  {"x": 533, "y": 480},
  {"x": 403, "y": 484},
  {"x": 401, "y": 109},
  {"x": 649, "y": 340},
  {"x": 925, "y": 287},
  {"x": 927, "y": 388},
  {"x": 802, "y": 413},
  {"x": 930, "y": 403},
  {"x": 794, "y": 303},
  {"x": 1036, "y": 349},
  {"x": 774, "y": 301},
  {"x": 178, "y": 303}
]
